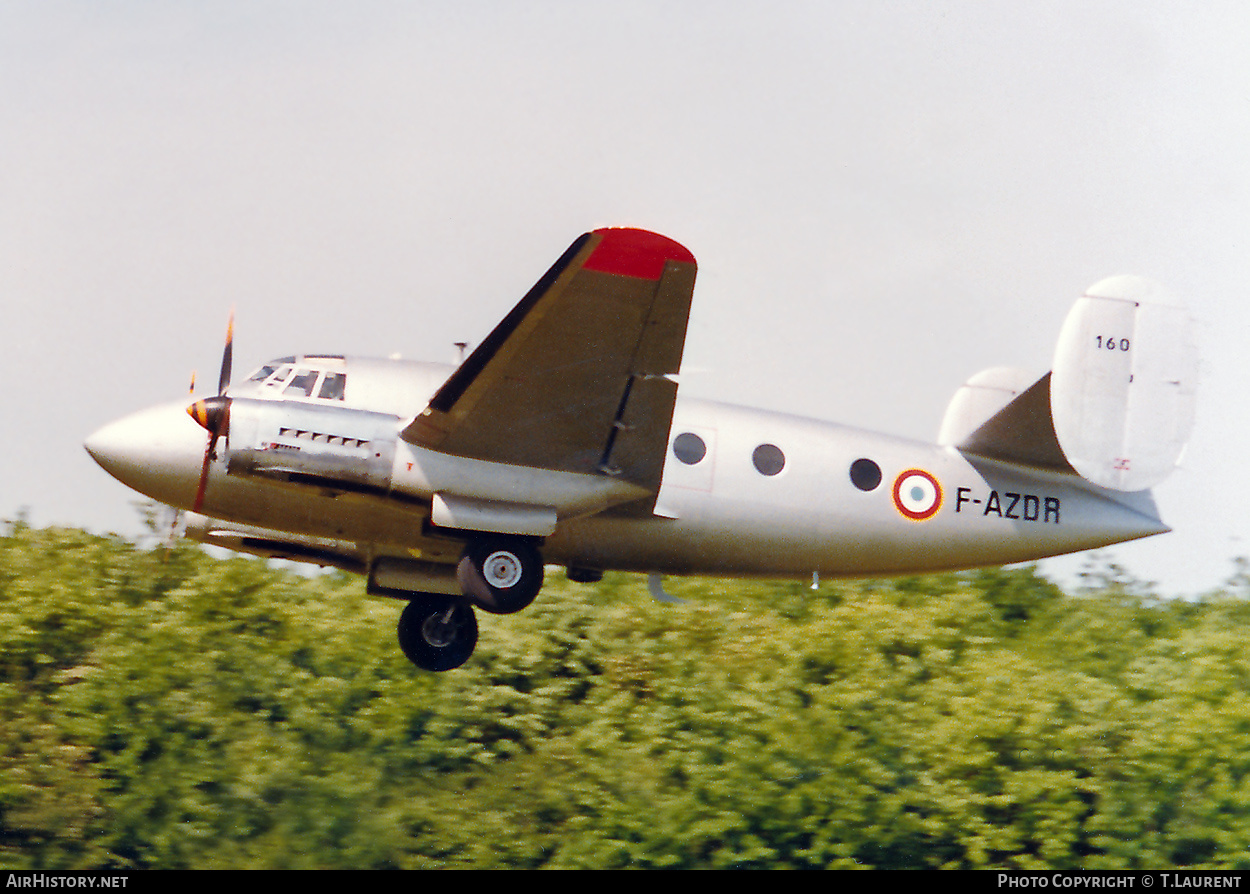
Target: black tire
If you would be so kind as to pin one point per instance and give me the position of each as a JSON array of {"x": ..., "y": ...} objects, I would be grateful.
[
  {"x": 437, "y": 633},
  {"x": 500, "y": 575}
]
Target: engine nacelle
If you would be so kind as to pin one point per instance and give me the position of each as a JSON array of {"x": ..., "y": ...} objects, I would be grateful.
[{"x": 311, "y": 444}]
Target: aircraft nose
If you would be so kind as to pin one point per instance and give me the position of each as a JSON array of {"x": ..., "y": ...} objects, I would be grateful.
[
  {"x": 109, "y": 446},
  {"x": 157, "y": 451}
]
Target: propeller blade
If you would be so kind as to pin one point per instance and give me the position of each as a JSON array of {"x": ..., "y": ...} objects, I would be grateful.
[
  {"x": 213, "y": 413},
  {"x": 199, "y": 489},
  {"x": 227, "y": 357}
]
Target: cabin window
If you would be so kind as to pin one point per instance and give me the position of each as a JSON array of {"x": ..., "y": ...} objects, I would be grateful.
[
  {"x": 865, "y": 474},
  {"x": 768, "y": 459},
  {"x": 689, "y": 448}
]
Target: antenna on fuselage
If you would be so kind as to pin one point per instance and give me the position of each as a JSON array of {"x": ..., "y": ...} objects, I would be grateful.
[{"x": 460, "y": 346}]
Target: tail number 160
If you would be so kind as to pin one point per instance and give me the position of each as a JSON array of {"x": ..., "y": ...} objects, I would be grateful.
[{"x": 1110, "y": 343}]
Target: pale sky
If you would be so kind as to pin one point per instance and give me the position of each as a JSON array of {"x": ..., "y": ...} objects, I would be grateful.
[{"x": 884, "y": 198}]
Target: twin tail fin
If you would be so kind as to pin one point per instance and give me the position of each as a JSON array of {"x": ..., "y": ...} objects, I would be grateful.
[{"x": 1117, "y": 406}]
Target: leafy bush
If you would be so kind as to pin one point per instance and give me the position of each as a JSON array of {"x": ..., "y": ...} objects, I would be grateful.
[{"x": 163, "y": 708}]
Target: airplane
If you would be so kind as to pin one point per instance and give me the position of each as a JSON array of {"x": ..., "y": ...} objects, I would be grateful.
[{"x": 562, "y": 439}]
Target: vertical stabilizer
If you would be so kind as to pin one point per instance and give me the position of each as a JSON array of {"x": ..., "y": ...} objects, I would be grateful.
[
  {"x": 1123, "y": 383},
  {"x": 1118, "y": 405}
]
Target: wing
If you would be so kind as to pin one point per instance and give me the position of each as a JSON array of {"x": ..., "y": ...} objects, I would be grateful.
[{"x": 577, "y": 377}]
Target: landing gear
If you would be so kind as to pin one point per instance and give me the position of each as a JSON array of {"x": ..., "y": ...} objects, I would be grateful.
[
  {"x": 501, "y": 575},
  {"x": 437, "y": 633}
]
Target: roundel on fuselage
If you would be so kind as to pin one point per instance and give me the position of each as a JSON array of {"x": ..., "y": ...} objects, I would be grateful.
[{"x": 917, "y": 494}]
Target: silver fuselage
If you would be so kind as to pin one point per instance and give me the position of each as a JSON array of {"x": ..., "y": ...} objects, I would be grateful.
[{"x": 795, "y": 512}]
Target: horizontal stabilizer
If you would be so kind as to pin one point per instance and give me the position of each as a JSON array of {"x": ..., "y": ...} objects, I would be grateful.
[
  {"x": 979, "y": 399},
  {"x": 1117, "y": 406},
  {"x": 1021, "y": 432}
]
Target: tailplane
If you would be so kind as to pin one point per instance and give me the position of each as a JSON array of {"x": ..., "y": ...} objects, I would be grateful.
[{"x": 1117, "y": 407}]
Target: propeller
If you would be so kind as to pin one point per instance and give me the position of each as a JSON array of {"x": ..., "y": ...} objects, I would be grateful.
[{"x": 213, "y": 413}]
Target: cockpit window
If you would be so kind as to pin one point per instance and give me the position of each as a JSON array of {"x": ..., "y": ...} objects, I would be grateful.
[
  {"x": 332, "y": 386},
  {"x": 303, "y": 383},
  {"x": 276, "y": 380},
  {"x": 299, "y": 378},
  {"x": 263, "y": 373}
]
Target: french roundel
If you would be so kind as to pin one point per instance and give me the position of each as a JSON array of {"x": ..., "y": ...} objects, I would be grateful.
[{"x": 917, "y": 494}]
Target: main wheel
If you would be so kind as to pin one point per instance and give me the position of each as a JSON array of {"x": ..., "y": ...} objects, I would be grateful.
[
  {"x": 437, "y": 633},
  {"x": 501, "y": 575}
]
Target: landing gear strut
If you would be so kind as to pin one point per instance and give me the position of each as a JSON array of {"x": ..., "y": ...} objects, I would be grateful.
[{"x": 437, "y": 633}]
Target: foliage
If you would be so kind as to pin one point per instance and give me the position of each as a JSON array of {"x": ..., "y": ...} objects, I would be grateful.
[{"x": 163, "y": 708}]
